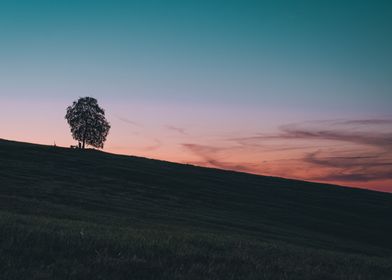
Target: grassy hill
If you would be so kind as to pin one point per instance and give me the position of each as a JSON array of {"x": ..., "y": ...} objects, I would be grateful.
[{"x": 73, "y": 214}]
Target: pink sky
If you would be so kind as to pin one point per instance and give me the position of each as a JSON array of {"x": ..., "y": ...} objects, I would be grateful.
[{"x": 351, "y": 152}]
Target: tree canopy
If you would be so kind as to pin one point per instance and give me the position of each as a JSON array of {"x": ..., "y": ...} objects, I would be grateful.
[{"x": 87, "y": 122}]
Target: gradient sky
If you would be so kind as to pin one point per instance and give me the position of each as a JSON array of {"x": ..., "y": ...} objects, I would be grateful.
[{"x": 300, "y": 89}]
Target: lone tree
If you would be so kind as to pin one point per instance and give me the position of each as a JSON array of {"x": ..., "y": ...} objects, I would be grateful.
[{"x": 88, "y": 123}]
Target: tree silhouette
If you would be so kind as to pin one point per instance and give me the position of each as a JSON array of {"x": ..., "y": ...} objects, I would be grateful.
[{"x": 88, "y": 123}]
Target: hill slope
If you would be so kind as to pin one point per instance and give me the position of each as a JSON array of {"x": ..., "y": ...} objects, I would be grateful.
[{"x": 73, "y": 214}]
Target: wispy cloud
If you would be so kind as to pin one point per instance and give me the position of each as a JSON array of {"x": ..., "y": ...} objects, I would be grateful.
[
  {"x": 335, "y": 131},
  {"x": 347, "y": 161},
  {"x": 353, "y": 168},
  {"x": 209, "y": 156},
  {"x": 363, "y": 122},
  {"x": 362, "y": 149},
  {"x": 354, "y": 177},
  {"x": 347, "y": 151},
  {"x": 128, "y": 121},
  {"x": 379, "y": 139},
  {"x": 179, "y": 130}
]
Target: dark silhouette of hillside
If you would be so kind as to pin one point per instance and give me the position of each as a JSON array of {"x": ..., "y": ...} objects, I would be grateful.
[{"x": 72, "y": 214}]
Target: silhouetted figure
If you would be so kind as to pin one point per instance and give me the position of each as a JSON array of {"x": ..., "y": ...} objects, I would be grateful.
[{"x": 88, "y": 123}]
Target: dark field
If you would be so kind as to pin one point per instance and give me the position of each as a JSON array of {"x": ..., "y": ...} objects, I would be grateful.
[{"x": 73, "y": 214}]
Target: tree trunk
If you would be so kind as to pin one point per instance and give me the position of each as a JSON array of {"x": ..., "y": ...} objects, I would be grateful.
[{"x": 84, "y": 135}]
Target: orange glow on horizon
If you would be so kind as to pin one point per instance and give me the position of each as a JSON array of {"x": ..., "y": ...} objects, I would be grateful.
[{"x": 353, "y": 153}]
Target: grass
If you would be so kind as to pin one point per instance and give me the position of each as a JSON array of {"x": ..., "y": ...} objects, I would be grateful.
[{"x": 72, "y": 214}]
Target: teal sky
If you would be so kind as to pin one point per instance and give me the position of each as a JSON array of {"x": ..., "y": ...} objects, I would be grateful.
[
  {"x": 210, "y": 67},
  {"x": 281, "y": 53}
]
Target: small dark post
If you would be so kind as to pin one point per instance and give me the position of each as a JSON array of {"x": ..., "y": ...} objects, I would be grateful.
[{"x": 80, "y": 145}]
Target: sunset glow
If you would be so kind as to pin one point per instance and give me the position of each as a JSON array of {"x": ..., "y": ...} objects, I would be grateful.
[{"x": 298, "y": 91}]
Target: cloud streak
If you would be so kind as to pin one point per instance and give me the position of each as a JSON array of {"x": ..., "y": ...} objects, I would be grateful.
[
  {"x": 128, "y": 121},
  {"x": 339, "y": 151},
  {"x": 352, "y": 168},
  {"x": 357, "y": 150},
  {"x": 209, "y": 156},
  {"x": 176, "y": 129},
  {"x": 347, "y": 162},
  {"x": 377, "y": 139},
  {"x": 292, "y": 132},
  {"x": 379, "y": 136}
]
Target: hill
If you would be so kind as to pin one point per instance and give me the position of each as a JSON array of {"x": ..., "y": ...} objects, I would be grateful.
[{"x": 78, "y": 214}]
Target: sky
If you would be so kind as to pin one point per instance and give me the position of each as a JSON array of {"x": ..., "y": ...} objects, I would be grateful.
[{"x": 297, "y": 89}]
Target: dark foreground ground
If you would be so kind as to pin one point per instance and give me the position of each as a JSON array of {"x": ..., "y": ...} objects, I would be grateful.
[{"x": 72, "y": 214}]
